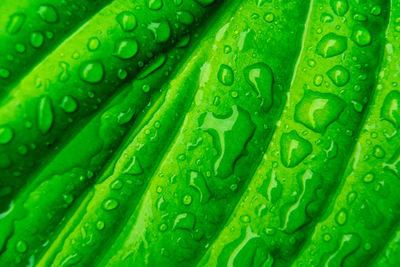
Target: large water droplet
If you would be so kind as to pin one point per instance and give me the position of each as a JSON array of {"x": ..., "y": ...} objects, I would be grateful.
[
  {"x": 93, "y": 43},
  {"x": 185, "y": 221},
  {"x": 349, "y": 244},
  {"x": 15, "y": 23},
  {"x": 48, "y": 13},
  {"x": 161, "y": 31},
  {"x": 126, "y": 48},
  {"x": 154, "y": 4},
  {"x": 110, "y": 204},
  {"x": 300, "y": 213},
  {"x": 196, "y": 180},
  {"x": 390, "y": 110},
  {"x": 225, "y": 75},
  {"x": 133, "y": 167},
  {"x": 6, "y": 135},
  {"x": 37, "y": 39},
  {"x": 339, "y": 7},
  {"x": 317, "y": 110},
  {"x": 205, "y": 2},
  {"x": 339, "y": 75},
  {"x": 361, "y": 36},
  {"x": 45, "y": 114},
  {"x": 230, "y": 133},
  {"x": 184, "y": 17},
  {"x": 154, "y": 65},
  {"x": 69, "y": 104},
  {"x": 92, "y": 71},
  {"x": 260, "y": 77},
  {"x": 331, "y": 45},
  {"x": 294, "y": 149},
  {"x": 127, "y": 21}
]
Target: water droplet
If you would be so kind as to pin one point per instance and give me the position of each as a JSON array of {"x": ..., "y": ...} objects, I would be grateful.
[
  {"x": 126, "y": 48},
  {"x": 269, "y": 17},
  {"x": 154, "y": 4},
  {"x": 185, "y": 221},
  {"x": 196, "y": 180},
  {"x": 247, "y": 250},
  {"x": 6, "y": 135},
  {"x": 21, "y": 48},
  {"x": 331, "y": 45},
  {"x": 4, "y": 73},
  {"x": 69, "y": 104},
  {"x": 379, "y": 152},
  {"x": 300, "y": 212},
  {"x": 21, "y": 246},
  {"x": 45, "y": 114},
  {"x": 339, "y": 7},
  {"x": 341, "y": 217},
  {"x": 161, "y": 31},
  {"x": 93, "y": 43},
  {"x": 122, "y": 74},
  {"x": 230, "y": 133},
  {"x": 361, "y": 36},
  {"x": 360, "y": 17},
  {"x": 260, "y": 77},
  {"x": 225, "y": 75},
  {"x": 339, "y": 75},
  {"x": 318, "y": 80},
  {"x": 110, "y": 204},
  {"x": 351, "y": 197},
  {"x": 294, "y": 149},
  {"x": 157, "y": 63},
  {"x": 92, "y": 71},
  {"x": 390, "y": 110},
  {"x": 369, "y": 177},
  {"x": 349, "y": 244},
  {"x": 317, "y": 110},
  {"x": 376, "y": 10},
  {"x": 205, "y": 3},
  {"x": 48, "y": 13},
  {"x": 163, "y": 227},
  {"x": 37, "y": 39},
  {"x": 133, "y": 167},
  {"x": 15, "y": 23},
  {"x": 127, "y": 21},
  {"x": 185, "y": 17},
  {"x": 187, "y": 200},
  {"x": 100, "y": 225}
]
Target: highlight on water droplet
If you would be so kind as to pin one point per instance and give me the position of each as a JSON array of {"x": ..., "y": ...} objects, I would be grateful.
[{"x": 15, "y": 23}]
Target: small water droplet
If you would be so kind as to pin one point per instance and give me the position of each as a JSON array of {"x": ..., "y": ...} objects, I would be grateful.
[
  {"x": 361, "y": 36},
  {"x": 339, "y": 75},
  {"x": 93, "y": 43},
  {"x": 110, "y": 204}
]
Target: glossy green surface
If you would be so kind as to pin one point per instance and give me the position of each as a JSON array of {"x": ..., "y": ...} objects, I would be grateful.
[{"x": 199, "y": 133}]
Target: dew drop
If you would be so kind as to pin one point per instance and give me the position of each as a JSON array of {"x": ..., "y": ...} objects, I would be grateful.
[
  {"x": 92, "y": 71},
  {"x": 127, "y": 21},
  {"x": 6, "y": 135},
  {"x": 45, "y": 114},
  {"x": 225, "y": 75},
  {"x": 48, "y": 14}
]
